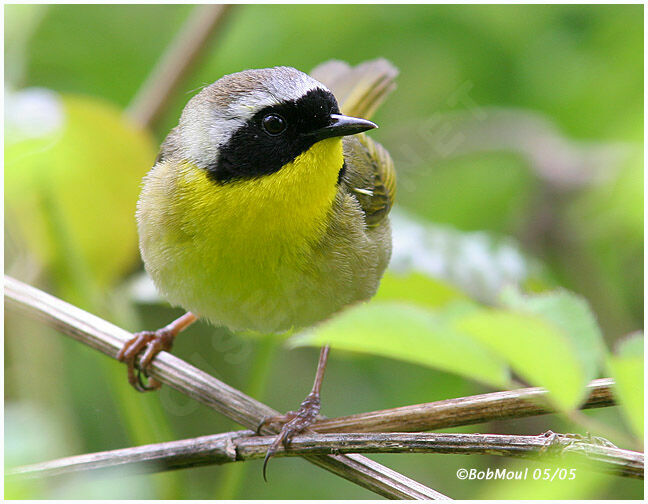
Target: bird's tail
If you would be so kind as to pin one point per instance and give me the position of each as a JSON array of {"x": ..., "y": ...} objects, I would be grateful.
[{"x": 360, "y": 89}]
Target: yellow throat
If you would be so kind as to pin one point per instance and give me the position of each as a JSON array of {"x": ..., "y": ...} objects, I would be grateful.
[{"x": 260, "y": 222}]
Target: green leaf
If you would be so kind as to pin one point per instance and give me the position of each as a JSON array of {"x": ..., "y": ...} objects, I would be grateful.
[
  {"x": 627, "y": 368},
  {"x": 413, "y": 334},
  {"x": 71, "y": 188},
  {"x": 418, "y": 288},
  {"x": 572, "y": 314},
  {"x": 536, "y": 349}
]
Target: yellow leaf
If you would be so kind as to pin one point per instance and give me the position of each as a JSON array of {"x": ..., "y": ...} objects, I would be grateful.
[{"x": 71, "y": 192}]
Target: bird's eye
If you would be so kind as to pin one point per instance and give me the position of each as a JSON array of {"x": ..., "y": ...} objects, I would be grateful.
[{"x": 273, "y": 124}]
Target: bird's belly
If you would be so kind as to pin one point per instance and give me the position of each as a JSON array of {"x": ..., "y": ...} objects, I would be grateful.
[
  {"x": 250, "y": 288},
  {"x": 248, "y": 257}
]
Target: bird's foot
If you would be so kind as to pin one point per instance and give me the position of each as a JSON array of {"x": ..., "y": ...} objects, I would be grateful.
[
  {"x": 294, "y": 422},
  {"x": 152, "y": 343}
]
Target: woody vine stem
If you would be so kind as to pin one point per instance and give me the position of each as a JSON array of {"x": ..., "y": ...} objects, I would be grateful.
[{"x": 107, "y": 338}]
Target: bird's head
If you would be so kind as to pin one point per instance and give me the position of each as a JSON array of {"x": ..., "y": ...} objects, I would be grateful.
[{"x": 253, "y": 123}]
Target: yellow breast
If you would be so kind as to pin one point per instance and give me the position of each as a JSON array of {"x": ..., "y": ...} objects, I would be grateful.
[
  {"x": 200, "y": 238},
  {"x": 258, "y": 218}
]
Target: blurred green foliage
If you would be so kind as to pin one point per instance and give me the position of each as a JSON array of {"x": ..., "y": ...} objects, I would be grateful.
[
  {"x": 627, "y": 367},
  {"x": 64, "y": 182},
  {"x": 556, "y": 342},
  {"x": 510, "y": 124},
  {"x": 411, "y": 333}
]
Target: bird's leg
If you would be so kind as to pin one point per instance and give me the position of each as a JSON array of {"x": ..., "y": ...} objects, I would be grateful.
[
  {"x": 153, "y": 342},
  {"x": 297, "y": 421}
]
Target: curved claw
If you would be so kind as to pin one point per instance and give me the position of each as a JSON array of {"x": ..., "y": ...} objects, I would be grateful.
[
  {"x": 297, "y": 422},
  {"x": 151, "y": 343},
  {"x": 152, "y": 384},
  {"x": 281, "y": 438},
  {"x": 269, "y": 420},
  {"x": 266, "y": 420}
]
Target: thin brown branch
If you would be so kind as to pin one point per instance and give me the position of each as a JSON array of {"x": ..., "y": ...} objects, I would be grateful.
[
  {"x": 168, "y": 369},
  {"x": 182, "y": 55},
  {"x": 462, "y": 411},
  {"x": 243, "y": 445}
]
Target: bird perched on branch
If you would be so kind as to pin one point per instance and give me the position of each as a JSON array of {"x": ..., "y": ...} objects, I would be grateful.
[{"x": 267, "y": 208}]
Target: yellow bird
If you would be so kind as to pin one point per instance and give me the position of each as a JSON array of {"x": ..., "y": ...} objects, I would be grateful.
[{"x": 267, "y": 208}]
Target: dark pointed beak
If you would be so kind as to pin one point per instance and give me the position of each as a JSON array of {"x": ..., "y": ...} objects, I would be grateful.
[{"x": 342, "y": 125}]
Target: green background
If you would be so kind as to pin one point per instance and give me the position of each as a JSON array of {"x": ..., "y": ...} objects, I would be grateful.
[{"x": 525, "y": 122}]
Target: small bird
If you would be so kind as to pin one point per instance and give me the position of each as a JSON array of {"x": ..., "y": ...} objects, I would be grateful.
[{"x": 267, "y": 209}]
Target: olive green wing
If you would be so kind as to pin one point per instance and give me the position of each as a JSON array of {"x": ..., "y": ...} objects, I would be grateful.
[
  {"x": 370, "y": 176},
  {"x": 369, "y": 170}
]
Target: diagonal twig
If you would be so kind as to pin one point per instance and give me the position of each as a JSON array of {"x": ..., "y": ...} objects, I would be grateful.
[
  {"x": 244, "y": 445},
  {"x": 418, "y": 417},
  {"x": 108, "y": 338},
  {"x": 180, "y": 57},
  {"x": 462, "y": 411}
]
